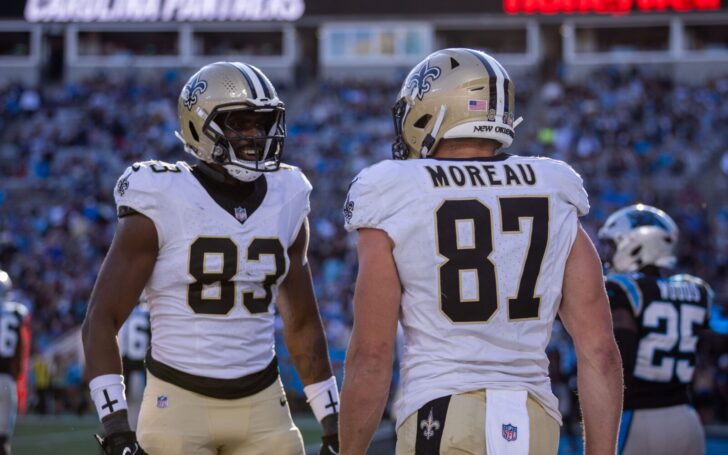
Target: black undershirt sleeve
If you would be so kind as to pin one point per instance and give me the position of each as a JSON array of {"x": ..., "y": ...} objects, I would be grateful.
[
  {"x": 617, "y": 297},
  {"x": 125, "y": 210},
  {"x": 627, "y": 338},
  {"x": 627, "y": 341}
]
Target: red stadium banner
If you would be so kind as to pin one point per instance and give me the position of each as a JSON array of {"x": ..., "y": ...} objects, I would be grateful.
[
  {"x": 616, "y": 7},
  {"x": 291, "y": 10}
]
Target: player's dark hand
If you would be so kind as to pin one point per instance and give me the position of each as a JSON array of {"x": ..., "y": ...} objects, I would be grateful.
[
  {"x": 124, "y": 443},
  {"x": 330, "y": 445}
]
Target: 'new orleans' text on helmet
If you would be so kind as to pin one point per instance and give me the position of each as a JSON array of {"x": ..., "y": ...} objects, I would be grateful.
[
  {"x": 453, "y": 93},
  {"x": 217, "y": 91},
  {"x": 640, "y": 235}
]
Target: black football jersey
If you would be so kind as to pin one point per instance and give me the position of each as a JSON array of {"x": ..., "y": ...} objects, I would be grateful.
[
  {"x": 670, "y": 313},
  {"x": 134, "y": 339},
  {"x": 12, "y": 318}
]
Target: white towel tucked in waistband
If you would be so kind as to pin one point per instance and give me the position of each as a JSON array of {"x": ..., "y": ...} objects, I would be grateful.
[{"x": 506, "y": 422}]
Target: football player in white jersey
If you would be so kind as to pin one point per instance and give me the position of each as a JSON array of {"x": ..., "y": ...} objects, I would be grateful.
[
  {"x": 475, "y": 252},
  {"x": 213, "y": 245}
]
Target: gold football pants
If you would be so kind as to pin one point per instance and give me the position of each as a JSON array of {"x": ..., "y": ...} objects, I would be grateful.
[
  {"x": 463, "y": 429},
  {"x": 175, "y": 421}
]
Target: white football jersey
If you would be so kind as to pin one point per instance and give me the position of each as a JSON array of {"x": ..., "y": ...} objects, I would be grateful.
[
  {"x": 480, "y": 246},
  {"x": 213, "y": 286}
]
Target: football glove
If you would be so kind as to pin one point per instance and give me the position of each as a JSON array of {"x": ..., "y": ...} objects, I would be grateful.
[
  {"x": 124, "y": 443},
  {"x": 329, "y": 445}
]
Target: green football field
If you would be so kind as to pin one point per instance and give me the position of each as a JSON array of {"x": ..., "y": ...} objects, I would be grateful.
[{"x": 61, "y": 435}]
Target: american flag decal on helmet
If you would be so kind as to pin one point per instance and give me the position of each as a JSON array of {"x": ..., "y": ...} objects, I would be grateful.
[{"x": 478, "y": 105}]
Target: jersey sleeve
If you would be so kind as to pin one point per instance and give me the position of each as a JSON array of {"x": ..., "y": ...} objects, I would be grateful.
[
  {"x": 571, "y": 188},
  {"x": 706, "y": 296},
  {"x": 363, "y": 207},
  {"x": 623, "y": 292},
  {"x": 135, "y": 190},
  {"x": 140, "y": 189}
]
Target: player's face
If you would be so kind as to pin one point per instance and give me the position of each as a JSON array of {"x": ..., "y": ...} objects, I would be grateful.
[{"x": 246, "y": 131}]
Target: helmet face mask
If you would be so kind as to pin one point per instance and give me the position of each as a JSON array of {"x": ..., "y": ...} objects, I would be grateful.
[
  {"x": 400, "y": 151},
  {"x": 236, "y": 147},
  {"x": 640, "y": 236},
  {"x": 220, "y": 99},
  {"x": 6, "y": 285},
  {"x": 453, "y": 93}
]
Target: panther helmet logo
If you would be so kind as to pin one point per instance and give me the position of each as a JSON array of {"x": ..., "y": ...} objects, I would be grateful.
[
  {"x": 193, "y": 88},
  {"x": 421, "y": 79}
]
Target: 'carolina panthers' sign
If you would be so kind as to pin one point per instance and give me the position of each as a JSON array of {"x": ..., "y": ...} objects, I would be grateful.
[
  {"x": 420, "y": 79},
  {"x": 195, "y": 87},
  {"x": 162, "y": 10}
]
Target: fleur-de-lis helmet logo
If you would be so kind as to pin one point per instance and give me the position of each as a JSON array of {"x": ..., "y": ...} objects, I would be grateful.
[
  {"x": 194, "y": 87},
  {"x": 420, "y": 80}
]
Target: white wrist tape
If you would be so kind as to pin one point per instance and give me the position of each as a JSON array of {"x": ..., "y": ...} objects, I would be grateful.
[
  {"x": 323, "y": 397},
  {"x": 107, "y": 391}
]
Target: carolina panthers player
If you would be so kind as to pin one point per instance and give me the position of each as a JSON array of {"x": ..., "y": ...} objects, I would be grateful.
[
  {"x": 475, "y": 252},
  {"x": 134, "y": 338},
  {"x": 14, "y": 331},
  {"x": 657, "y": 319},
  {"x": 214, "y": 245}
]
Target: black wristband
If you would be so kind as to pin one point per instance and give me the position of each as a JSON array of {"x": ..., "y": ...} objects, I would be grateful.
[
  {"x": 331, "y": 440},
  {"x": 116, "y": 422},
  {"x": 330, "y": 424}
]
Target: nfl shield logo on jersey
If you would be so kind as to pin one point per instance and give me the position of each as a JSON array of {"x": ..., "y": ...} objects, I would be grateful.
[
  {"x": 510, "y": 432},
  {"x": 241, "y": 214},
  {"x": 162, "y": 401}
]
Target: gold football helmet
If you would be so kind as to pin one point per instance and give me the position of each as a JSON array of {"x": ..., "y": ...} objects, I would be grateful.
[
  {"x": 210, "y": 108},
  {"x": 453, "y": 93}
]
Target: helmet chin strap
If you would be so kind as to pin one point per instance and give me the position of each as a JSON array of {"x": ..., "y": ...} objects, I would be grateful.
[
  {"x": 429, "y": 140},
  {"x": 240, "y": 173},
  {"x": 235, "y": 170}
]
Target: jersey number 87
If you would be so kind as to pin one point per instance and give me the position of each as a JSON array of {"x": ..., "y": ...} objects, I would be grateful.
[{"x": 472, "y": 259}]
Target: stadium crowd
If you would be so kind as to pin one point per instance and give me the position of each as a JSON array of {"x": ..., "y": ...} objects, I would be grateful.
[{"x": 634, "y": 136}]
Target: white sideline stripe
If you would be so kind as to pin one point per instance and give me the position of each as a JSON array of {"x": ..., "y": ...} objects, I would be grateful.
[{"x": 48, "y": 438}]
